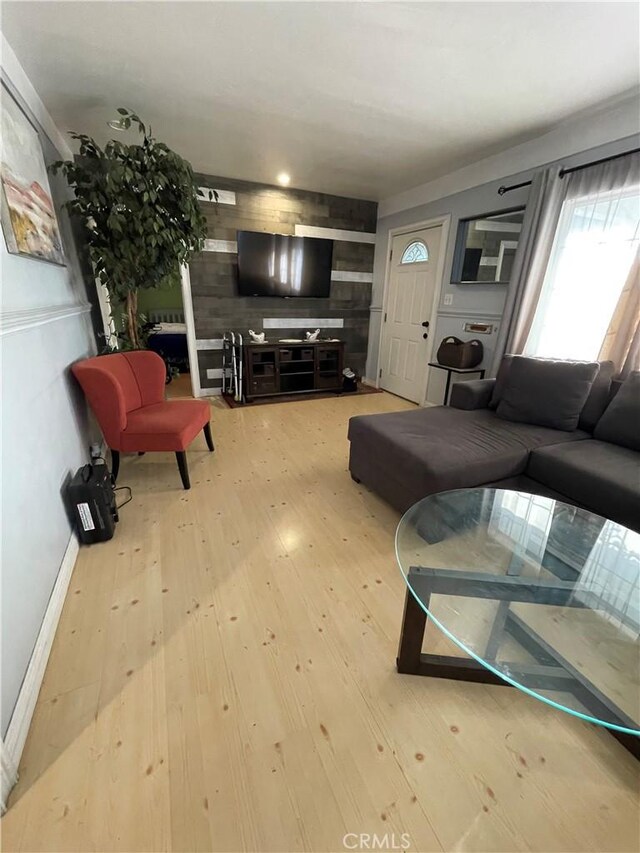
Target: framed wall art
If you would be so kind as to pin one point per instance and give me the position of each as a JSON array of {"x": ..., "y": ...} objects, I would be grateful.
[{"x": 29, "y": 220}]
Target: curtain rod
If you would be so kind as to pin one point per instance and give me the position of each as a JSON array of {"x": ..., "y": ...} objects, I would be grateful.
[{"x": 502, "y": 190}]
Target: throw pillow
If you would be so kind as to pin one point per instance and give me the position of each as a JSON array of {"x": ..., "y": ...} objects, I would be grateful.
[
  {"x": 546, "y": 392},
  {"x": 598, "y": 397},
  {"x": 620, "y": 423}
]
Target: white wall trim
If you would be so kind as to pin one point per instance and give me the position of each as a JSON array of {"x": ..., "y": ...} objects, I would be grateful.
[
  {"x": 302, "y": 323},
  {"x": 9, "y": 776},
  {"x": 23, "y": 711},
  {"x": 231, "y": 246},
  {"x": 335, "y": 234},
  {"x": 228, "y": 246},
  {"x": 27, "y": 318},
  {"x": 445, "y": 222},
  {"x": 208, "y": 343},
  {"x": 192, "y": 346},
  {"x": 224, "y": 196},
  {"x": 480, "y": 316},
  {"x": 347, "y": 275}
]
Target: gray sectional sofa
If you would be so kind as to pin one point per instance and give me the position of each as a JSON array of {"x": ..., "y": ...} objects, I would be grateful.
[{"x": 481, "y": 439}]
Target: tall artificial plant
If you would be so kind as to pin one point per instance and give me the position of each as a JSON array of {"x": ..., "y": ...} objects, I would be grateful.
[{"x": 139, "y": 206}]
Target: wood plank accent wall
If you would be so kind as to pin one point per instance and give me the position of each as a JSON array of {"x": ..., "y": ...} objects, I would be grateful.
[{"x": 259, "y": 207}]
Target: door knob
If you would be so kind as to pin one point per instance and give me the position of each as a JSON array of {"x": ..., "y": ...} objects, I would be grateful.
[{"x": 425, "y": 324}]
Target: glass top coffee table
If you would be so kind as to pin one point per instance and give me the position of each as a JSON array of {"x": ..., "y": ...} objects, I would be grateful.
[{"x": 536, "y": 593}]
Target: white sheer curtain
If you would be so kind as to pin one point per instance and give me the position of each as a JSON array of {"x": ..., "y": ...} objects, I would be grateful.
[
  {"x": 622, "y": 341},
  {"x": 594, "y": 248},
  {"x": 530, "y": 264}
]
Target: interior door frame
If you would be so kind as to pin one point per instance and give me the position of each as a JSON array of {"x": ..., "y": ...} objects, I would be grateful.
[
  {"x": 445, "y": 222},
  {"x": 189, "y": 319}
]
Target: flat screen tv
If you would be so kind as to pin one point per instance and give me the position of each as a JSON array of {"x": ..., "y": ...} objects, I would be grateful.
[{"x": 279, "y": 265}]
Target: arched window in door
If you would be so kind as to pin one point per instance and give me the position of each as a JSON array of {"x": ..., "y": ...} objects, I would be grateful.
[{"x": 415, "y": 252}]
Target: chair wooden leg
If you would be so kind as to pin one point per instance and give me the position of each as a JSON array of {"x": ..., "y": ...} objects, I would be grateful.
[
  {"x": 209, "y": 439},
  {"x": 181, "y": 456},
  {"x": 115, "y": 464}
]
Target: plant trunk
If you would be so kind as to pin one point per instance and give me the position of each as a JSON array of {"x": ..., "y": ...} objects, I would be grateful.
[{"x": 132, "y": 318}]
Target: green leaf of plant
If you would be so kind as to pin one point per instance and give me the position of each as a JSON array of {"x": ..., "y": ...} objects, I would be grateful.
[{"x": 145, "y": 206}]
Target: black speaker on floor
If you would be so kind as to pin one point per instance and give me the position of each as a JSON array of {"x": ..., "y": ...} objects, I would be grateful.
[{"x": 93, "y": 503}]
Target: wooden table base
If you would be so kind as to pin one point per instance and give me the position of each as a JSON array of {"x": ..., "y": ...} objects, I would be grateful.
[{"x": 550, "y": 671}]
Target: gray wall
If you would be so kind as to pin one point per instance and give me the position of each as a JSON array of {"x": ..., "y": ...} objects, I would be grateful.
[
  {"x": 259, "y": 207},
  {"x": 470, "y": 303},
  {"x": 45, "y": 435}
]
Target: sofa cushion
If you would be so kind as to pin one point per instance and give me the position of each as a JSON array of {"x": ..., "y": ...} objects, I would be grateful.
[
  {"x": 501, "y": 381},
  {"x": 620, "y": 422},
  {"x": 598, "y": 398},
  {"x": 546, "y": 392},
  {"x": 440, "y": 448},
  {"x": 593, "y": 473}
]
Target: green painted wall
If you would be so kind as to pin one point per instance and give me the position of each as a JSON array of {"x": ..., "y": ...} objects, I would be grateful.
[{"x": 154, "y": 300}]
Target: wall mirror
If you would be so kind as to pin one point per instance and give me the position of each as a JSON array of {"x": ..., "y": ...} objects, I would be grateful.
[{"x": 486, "y": 247}]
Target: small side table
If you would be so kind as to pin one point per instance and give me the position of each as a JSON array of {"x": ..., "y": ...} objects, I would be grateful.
[{"x": 451, "y": 370}]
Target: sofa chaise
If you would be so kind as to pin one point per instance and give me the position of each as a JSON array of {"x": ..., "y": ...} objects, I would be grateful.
[{"x": 566, "y": 430}]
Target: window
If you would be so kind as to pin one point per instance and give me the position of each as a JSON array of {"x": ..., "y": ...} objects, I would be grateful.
[
  {"x": 595, "y": 244},
  {"x": 415, "y": 252}
]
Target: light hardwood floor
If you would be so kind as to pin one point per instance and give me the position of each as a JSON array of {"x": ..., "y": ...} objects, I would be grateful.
[{"x": 223, "y": 679}]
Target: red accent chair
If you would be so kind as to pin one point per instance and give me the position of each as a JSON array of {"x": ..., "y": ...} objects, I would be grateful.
[{"x": 126, "y": 393}]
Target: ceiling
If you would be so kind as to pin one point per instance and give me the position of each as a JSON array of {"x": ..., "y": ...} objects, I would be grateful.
[{"x": 362, "y": 99}]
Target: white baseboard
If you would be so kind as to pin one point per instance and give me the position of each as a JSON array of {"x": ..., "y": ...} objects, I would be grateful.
[
  {"x": 9, "y": 776},
  {"x": 23, "y": 712},
  {"x": 371, "y": 382}
]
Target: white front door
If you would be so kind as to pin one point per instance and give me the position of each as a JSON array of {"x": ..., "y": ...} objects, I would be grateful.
[{"x": 409, "y": 313}]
